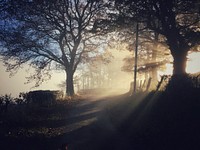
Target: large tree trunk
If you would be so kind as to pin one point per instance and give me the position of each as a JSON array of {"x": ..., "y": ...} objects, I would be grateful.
[
  {"x": 69, "y": 83},
  {"x": 179, "y": 64},
  {"x": 179, "y": 50}
]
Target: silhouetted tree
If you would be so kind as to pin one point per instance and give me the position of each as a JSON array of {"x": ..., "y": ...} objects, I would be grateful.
[
  {"x": 177, "y": 20},
  {"x": 48, "y": 35}
]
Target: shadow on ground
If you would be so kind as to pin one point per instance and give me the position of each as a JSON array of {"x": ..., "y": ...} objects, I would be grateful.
[{"x": 145, "y": 121}]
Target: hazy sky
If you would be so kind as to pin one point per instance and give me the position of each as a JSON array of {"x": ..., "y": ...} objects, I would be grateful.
[
  {"x": 15, "y": 84},
  {"x": 193, "y": 65}
]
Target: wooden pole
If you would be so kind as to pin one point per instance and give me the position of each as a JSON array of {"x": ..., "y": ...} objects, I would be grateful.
[{"x": 136, "y": 59}]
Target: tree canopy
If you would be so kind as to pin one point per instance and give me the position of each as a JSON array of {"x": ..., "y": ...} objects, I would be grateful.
[
  {"x": 177, "y": 20},
  {"x": 48, "y": 35}
]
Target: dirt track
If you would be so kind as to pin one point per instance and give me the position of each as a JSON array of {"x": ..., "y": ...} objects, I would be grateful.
[{"x": 91, "y": 124}]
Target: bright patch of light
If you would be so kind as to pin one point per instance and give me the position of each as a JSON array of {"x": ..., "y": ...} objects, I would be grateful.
[
  {"x": 167, "y": 71},
  {"x": 193, "y": 64}
]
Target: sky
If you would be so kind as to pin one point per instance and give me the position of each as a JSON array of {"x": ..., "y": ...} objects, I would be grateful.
[{"x": 15, "y": 84}]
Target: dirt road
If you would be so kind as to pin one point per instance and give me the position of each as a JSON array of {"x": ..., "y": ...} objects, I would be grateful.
[
  {"x": 86, "y": 126},
  {"x": 89, "y": 124}
]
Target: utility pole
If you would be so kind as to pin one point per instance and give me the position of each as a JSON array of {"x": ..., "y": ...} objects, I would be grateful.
[{"x": 136, "y": 59}]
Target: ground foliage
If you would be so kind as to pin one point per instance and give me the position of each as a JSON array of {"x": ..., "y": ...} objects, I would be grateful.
[{"x": 24, "y": 124}]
